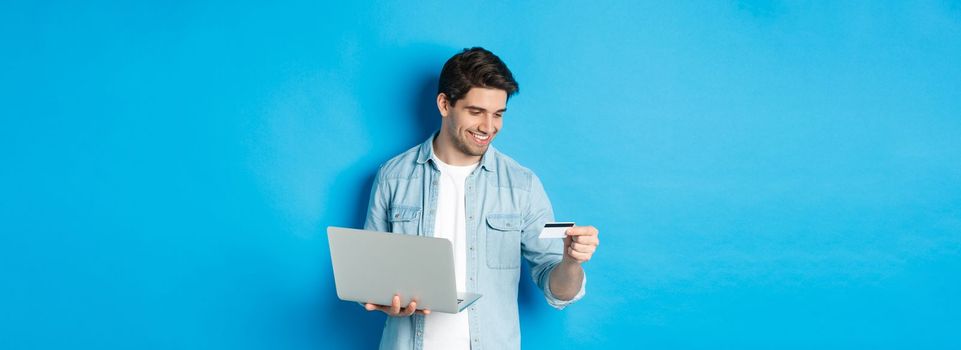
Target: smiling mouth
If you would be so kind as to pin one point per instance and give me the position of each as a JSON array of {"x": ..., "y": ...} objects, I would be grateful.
[{"x": 482, "y": 139}]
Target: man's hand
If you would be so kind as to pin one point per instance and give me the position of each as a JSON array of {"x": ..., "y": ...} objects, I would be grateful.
[
  {"x": 394, "y": 309},
  {"x": 580, "y": 244}
]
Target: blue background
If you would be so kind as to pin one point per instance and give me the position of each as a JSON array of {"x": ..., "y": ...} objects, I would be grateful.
[{"x": 771, "y": 174}]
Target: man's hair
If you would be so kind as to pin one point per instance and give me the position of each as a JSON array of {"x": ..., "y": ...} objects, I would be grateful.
[{"x": 474, "y": 67}]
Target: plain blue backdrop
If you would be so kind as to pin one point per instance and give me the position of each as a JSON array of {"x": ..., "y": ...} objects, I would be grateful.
[{"x": 764, "y": 174}]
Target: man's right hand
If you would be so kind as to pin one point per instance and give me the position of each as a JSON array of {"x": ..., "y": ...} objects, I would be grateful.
[{"x": 394, "y": 309}]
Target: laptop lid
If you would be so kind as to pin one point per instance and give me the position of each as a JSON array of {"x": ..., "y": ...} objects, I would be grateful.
[{"x": 371, "y": 267}]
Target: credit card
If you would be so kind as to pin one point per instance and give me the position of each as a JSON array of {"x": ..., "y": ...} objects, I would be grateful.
[{"x": 555, "y": 230}]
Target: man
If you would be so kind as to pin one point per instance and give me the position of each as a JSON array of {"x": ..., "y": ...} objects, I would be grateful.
[{"x": 457, "y": 186}]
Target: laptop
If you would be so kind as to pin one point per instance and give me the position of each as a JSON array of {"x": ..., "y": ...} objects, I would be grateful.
[{"x": 371, "y": 267}]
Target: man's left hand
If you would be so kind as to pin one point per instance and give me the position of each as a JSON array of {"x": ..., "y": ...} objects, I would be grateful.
[{"x": 581, "y": 243}]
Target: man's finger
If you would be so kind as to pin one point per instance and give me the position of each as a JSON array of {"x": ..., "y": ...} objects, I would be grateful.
[
  {"x": 424, "y": 312},
  {"x": 583, "y": 248},
  {"x": 580, "y": 257},
  {"x": 582, "y": 231},
  {"x": 395, "y": 305},
  {"x": 410, "y": 308},
  {"x": 586, "y": 239},
  {"x": 382, "y": 308},
  {"x": 372, "y": 307}
]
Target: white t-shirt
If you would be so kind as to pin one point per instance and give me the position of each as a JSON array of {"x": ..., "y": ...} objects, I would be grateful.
[{"x": 442, "y": 330}]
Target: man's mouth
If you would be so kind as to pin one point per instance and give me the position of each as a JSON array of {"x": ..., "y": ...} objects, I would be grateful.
[{"x": 481, "y": 138}]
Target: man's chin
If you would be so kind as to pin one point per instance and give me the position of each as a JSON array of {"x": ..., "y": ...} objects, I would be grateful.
[
  {"x": 478, "y": 151},
  {"x": 472, "y": 149}
]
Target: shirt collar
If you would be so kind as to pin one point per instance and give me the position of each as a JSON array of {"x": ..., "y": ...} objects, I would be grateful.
[{"x": 426, "y": 148}]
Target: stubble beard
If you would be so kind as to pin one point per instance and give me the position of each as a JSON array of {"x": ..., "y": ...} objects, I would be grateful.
[{"x": 462, "y": 145}]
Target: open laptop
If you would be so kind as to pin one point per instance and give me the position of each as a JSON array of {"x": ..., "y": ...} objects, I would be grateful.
[{"x": 371, "y": 267}]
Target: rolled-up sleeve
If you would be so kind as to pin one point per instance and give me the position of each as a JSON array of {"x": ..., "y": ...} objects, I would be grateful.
[
  {"x": 558, "y": 303},
  {"x": 543, "y": 254}
]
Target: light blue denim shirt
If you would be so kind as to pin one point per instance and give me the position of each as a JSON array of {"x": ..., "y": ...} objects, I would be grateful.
[{"x": 506, "y": 208}]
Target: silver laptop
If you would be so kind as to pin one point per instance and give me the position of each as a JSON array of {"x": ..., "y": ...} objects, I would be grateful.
[{"x": 371, "y": 267}]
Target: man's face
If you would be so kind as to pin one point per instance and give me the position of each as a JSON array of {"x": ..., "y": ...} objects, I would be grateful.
[{"x": 474, "y": 120}]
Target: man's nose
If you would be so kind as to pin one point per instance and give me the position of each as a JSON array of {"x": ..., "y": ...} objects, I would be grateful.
[{"x": 488, "y": 124}]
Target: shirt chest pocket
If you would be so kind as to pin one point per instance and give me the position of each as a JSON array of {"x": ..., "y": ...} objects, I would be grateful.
[
  {"x": 503, "y": 241},
  {"x": 404, "y": 219}
]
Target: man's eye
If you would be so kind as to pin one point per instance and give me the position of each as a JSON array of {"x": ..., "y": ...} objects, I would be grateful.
[
  {"x": 475, "y": 112},
  {"x": 498, "y": 115}
]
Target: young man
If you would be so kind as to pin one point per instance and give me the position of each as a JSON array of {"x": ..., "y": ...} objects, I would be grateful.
[{"x": 457, "y": 186}]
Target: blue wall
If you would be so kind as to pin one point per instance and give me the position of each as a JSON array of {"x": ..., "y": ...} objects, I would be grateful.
[{"x": 772, "y": 174}]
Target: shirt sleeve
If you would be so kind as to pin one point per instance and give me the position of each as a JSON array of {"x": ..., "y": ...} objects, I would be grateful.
[
  {"x": 377, "y": 206},
  {"x": 558, "y": 303},
  {"x": 543, "y": 254}
]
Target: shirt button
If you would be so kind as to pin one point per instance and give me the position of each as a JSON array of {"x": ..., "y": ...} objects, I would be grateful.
[{"x": 419, "y": 333}]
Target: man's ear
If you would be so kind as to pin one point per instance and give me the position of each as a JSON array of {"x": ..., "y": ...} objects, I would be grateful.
[{"x": 442, "y": 105}]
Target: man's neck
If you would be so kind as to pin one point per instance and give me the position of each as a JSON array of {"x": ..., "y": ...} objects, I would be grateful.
[{"x": 447, "y": 153}]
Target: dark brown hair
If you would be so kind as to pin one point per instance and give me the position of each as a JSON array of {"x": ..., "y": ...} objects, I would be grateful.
[{"x": 474, "y": 67}]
